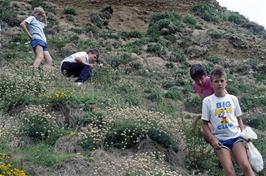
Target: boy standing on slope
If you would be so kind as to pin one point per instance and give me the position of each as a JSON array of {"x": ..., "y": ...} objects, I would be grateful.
[
  {"x": 222, "y": 110},
  {"x": 33, "y": 26}
]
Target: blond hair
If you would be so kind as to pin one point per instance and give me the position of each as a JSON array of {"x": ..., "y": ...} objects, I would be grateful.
[{"x": 39, "y": 14}]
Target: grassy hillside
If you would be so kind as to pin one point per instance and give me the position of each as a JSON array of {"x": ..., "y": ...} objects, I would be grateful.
[{"x": 134, "y": 116}]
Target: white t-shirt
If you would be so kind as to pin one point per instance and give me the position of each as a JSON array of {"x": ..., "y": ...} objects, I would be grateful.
[
  {"x": 36, "y": 28},
  {"x": 83, "y": 55},
  {"x": 222, "y": 113}
]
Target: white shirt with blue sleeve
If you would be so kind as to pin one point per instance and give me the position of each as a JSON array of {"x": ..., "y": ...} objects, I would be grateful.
[{"x": 36, "y": 28}]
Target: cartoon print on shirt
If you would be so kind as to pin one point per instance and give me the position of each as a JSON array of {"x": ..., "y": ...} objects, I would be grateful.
[{"x": 222, "y": 109}]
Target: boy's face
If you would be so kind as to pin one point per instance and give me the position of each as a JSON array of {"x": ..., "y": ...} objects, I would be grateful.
[
  {"x": 92, "y": 57},
  {"x": 218, "y": 83},
  {"x": 200, "y": 80}
]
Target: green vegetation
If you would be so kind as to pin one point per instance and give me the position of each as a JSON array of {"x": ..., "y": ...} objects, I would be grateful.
[
  {"x": 70, "y": 11},
  {"x": 208, "y": 12},
  {"x": 165, "y": 20},
  {"x": 237, "y": 18},
  {"x": 7, "y": 14},
  {"x": 215, "y": 34},
  {"x": 130, "y": 103}
]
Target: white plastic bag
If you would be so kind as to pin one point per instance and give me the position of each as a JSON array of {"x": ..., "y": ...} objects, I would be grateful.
[
  {"x": 248, "y": 134},
  {"x": 254, "y": 157}
]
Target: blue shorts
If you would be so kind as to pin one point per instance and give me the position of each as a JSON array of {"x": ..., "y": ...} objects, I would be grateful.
[
  {"x": 41, "y": 43},
  {"x": 228, "y": 144}
]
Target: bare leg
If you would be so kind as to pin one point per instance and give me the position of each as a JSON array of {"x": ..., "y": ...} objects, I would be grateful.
[
  {"x": 39, "y": 56},
  {"x": 48, "y": 61},
  {"x": 225, "y": 159},
  {"x": 48, "y": 58},
  {"x": 240, "y": 154}
]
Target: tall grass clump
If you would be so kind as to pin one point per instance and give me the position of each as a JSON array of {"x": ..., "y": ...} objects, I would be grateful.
[
  {"x": 125, "y": 128},
  {"x": 236, "y": 18},
  {"x": 8, "y": 14},
  {"x": 208, "y": 13},
  {"x": 36, "y": 123},
  {"x": 18, "y": 89},
  {"x": 168, "y": 20},
  {"x": 70, "y": 11}
]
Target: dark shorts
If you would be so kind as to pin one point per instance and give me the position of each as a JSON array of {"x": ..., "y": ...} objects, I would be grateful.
[
  {"x": 36, "y": 42},
  {"x": 228, "y": 144}
]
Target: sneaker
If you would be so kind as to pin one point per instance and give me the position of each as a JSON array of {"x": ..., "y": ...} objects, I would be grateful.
[{"x": 78, "y": 83}]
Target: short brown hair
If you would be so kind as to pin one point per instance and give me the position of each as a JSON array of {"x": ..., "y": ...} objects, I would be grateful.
[
  {"x": 217, "y": 72},
  {"x": 94, "y": 51},
  {"x": 197, "y": 71}
]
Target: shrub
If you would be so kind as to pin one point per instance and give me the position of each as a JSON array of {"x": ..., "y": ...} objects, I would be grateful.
[
  {"x": 134, "y": 47},
  {"x": 154, "y": 96},
  {"x": 108, "y": 34},
  {"x": 236, "y": 18},
  {"x": 178, "y": 56},
  {"x": 169, "y": 20},
  {"x": 252, "y": 102},
  {"x": 157, "y": 49},
  {"x": 59, "y": 41},
  {"x": 254, "y": 28},
  {"x": 193, "y": 104},
  {"x": 37, "y": 3},
  {"x": 41, "y": 3},
  {"x": 116, "y": 61},
  {"x": 261, "y": 72},
  {"x": 126, "y": 134},
  {"x": 126, "y": 131},
  {"x": 206, "y": 12},
  {"x": 18, "y": 90},
  {"x": 215, "y": 34},
  {"x": 163, "y": 139},
  {"x": 190, "y": 21},
  {"x": 7, "y": 14},
  {"x": 124, "y": 128},
  {"x": 131, "y": 34},
  {"x": 43, "y": 155},
  {"x": 21, "y": 38},
  {"x": 214, "y": 59},
  {"x": 199, "y": 154},
  {"x": 37, "y": 123},
  {"x": 173, "y": 93},
  {"x": 70, "y": 11},
  {"x": 52, "y": 21},
  {"x": 257, "y": 121}
]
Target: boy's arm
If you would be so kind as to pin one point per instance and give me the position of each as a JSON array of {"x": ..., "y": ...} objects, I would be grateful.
[
  {"x": 240, "y": 123},
  {"x": 80, "y": 61},
  {"x": 23, "y": 25},
  {"x": 209, "y": 136}
]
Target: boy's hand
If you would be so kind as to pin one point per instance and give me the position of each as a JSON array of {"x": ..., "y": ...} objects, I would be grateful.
[{"x": 216, "y": 144}]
